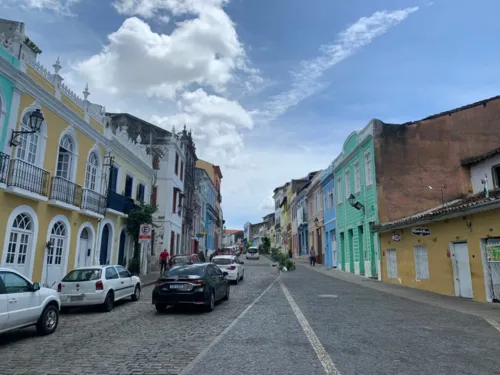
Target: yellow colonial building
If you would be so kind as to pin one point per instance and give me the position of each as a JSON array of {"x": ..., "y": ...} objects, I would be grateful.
[
  {"x": 453, "y": 249},
  {"x": 66, "y": 182}
]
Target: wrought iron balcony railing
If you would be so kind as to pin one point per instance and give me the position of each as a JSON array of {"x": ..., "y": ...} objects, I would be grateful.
[
  {"x": 119, "y": 202},
  {"x": 28, "y": 177},
  {"x": 93, "y": 201},
  {"x": 66, "y": 191},
  {"x": 4, "y": 167}
]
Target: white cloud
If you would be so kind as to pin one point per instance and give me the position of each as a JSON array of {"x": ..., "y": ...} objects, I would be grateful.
[
  {"x": 306, "y": 80},
  {"x": 62, "y": 7}
]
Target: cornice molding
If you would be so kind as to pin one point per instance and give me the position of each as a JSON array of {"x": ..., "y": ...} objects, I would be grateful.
[{"x": 26, "y": 85}]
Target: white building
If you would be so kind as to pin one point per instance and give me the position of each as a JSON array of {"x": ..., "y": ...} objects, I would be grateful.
[
  {"x": 278, "y": 199},
  {"x": 170, "y": 183}
]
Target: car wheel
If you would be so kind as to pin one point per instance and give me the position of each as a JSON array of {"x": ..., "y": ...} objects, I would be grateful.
[
  {"x": 242, "y": 276},
  {"x": 236, "y": 282},
  {"x": 258, "y": 258},
  {"x": 48, "y": 321},
  {"x": 160, "y": 307},
  {"x": 109, "y": 302},
  {"x": 137, "y": 293},
  {"x": 226, "y": 297},
  {"x": 210, "y": 304},
  {"x": 247, "y": 258}
]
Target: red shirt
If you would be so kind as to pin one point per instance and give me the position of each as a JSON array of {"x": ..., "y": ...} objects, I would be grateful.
[{"x": 164, "y": 255}]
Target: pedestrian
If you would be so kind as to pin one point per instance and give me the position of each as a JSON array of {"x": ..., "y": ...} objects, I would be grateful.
[
  {"x": 312, "y": 256},
  {"x": 163, "y": 261}
]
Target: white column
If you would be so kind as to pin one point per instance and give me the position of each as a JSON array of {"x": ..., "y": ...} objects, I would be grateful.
[{"x": 13, "y": 119}]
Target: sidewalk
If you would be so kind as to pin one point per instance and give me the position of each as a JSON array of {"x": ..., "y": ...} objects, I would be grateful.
[
  {"x": 488, "y": 311},
  {"x": 150, "y": 278}
]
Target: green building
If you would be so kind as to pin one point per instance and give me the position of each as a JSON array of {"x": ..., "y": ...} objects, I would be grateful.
[{"x": 356, "y": 204}]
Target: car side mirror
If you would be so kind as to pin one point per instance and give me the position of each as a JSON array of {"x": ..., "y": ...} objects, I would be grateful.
[
  {"x": 224, "y": 274},
  {"x": 36, "y": 287}
]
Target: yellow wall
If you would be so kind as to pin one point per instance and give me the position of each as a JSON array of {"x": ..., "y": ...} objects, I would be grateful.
[
  {"x": 40, "y": 80},
  {"x": 441, "y": 278},
  {"x": 138, "y": 175},
  {"x": 45, "y": 214},
  {"x": 208, "y": 167}
]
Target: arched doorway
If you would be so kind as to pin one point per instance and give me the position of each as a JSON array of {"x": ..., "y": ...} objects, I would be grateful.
[
  {"x": 20, "y": 244},
  {"x": 121, "y": 248},
  {"x": 103, "y": 257},
  {"x": 56, "y": 254},
  {"x": 85, "y": 249}
]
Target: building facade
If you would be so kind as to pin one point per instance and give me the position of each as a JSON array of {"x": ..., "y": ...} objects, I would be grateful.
[
  {"x": 278, "y": 196},
  {"x": 327, "y": 187},
  {"x": 302, "y": 221},
  {"x": 208, "y": 193},
  {"x": 315, "y": 224},
  {"x": 189, "y": 240},
  {"x": 59, "y": 213}
]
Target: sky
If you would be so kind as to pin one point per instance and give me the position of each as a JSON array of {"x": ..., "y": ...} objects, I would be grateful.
[{"x": 270, "y": 88}]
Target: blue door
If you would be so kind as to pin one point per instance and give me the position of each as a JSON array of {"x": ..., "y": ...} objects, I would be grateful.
[
  {"x": 104, "y": 245},
  {"x": 121, "y": 249}
]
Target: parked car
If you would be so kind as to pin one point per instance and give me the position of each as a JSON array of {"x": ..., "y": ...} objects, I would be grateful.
[
  {"x": 193, "y": 284},
  {"x": 98, "y": 285},
  {"x": 252, "y": 253},
  {"x": 23, "y": 304},
  {"x": 179, "y": 259},
  {"x": 232, "y": 265}
]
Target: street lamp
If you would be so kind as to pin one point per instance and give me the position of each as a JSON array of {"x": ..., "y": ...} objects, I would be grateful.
[
  {"x": 352, "y": 201},
  {"x": 35, "y": 124},
  {"x": 442, "y": 191}
]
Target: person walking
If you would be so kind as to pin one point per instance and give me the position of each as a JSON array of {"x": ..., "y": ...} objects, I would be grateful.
[
  {"x": 312, "y": 256},
  {"x": 163, "y": 261}
]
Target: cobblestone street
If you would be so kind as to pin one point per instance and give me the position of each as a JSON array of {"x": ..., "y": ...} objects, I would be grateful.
[
  {"x": 133, "y": 338},
  {"x": 305, "y": 322}
]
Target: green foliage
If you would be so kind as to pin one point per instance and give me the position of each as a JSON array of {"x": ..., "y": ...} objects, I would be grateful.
[
  {"x": 142, "y": 214},
  {"x": 266, "y": 245}
]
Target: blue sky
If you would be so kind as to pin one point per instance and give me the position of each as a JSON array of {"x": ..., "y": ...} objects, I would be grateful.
[{"x": 256, "y": 108}]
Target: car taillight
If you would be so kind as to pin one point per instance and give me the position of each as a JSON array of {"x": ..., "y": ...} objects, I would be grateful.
[
  {"x": 231, "y": 268},
  {"x": 198, "y": 282},
  {"x": 59, "y": 288},
  {"x": 160, "y": 282},
  {"x": 99, "y": 285}
]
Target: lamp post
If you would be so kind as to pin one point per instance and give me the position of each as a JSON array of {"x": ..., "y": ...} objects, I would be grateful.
[
  {"x": 35, "y": 124},
  {"x": 442, "y": 191}
]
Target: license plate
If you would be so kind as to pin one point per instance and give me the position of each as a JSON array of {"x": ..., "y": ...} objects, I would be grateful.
[
  {"x": 76, "y": 298},
  {"x": 176, "y": 286}
]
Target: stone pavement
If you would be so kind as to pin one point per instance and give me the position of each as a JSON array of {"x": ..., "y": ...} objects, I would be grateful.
[
  {"x": 150, "y": 278},
  {"x": 465, "y": 306}
]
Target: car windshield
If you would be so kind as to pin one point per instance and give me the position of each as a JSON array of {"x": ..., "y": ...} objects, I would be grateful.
[
  {"x": 185, "y": 271},
  {"x": 83, "y": 275},
  {"x": 181, "y": 259},
  {"x": 252, "y": 251},
  {"x": 223, "y": 261}
]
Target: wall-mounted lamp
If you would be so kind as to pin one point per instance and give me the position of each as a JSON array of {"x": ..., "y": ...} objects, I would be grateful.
[
  {"x": 35, "y": 124},
  {"x": 352, "y": 201},
  {"x": 316, "y": 221},
  {"x": 439, "y": 188}
]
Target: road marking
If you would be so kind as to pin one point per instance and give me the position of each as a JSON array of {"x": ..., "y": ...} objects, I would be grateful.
[
  {"x": 327, "y": 295},
  {"x": 323, "y": 356},
  {"x": 494, "y": 323},
  {"x": 205, "y": 351}
]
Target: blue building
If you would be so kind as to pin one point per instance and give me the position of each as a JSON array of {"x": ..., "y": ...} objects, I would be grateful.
[
  {"x": 327, "y": 186},
  {"x": 302, "y": 221}
]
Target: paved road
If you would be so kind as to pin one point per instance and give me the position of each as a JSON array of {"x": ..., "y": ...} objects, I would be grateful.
[
  {"x": 283, "y": 328},
  {"x": 132, "y": 339},
  {"x": 362, "y": 331}
]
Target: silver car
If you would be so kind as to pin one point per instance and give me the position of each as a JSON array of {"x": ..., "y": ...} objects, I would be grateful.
[{"x": 252, "y": 253}]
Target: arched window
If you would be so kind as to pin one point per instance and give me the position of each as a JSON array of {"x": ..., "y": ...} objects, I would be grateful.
[
  {"x": 58, "y": 237},
  {"x": 29, "y": 143},
  {"x": 20, "y": 240},
  {"x": 91, "y": 182},
  {"x": 65, "y": 158}
]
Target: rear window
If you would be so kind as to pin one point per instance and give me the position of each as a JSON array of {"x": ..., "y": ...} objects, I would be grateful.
[
  {"x": 186, "y": 271},
  {"x": 83, "y": 275},
  {"x": 223, "y": 261},
  {"x": 252, "y": 251},
  {"x": 182, "y": 259}
]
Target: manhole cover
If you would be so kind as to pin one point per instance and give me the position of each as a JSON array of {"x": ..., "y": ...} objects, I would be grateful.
[{"x": 328, "y": 296}]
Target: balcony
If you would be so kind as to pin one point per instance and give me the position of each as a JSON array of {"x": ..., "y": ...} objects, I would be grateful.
[
  {"x": 119, "y": 204},
  {"x": 27, "y": 180},
  {"x": 4, "y": 167},
  {"x": 65, "y": 194},
  {"x": 93, "y": 203}
]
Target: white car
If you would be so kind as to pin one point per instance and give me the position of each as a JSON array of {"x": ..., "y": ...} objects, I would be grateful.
[
  {"x": 230, "y": 264},
  {"x": 98, "y": 285},
  {"x": 23, "y": 303},
  {"x": 252, "y": 253}
]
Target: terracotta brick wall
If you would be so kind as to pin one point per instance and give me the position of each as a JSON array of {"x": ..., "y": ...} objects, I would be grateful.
[{"x": 409, "y": 157}]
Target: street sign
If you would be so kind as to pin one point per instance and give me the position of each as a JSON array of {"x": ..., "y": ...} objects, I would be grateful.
[{"x": 145, "y": 233}]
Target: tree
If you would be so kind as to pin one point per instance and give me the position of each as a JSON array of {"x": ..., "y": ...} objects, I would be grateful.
[
  {"x": 266, "y": 245},
  {"x": 142, "y": 214}
]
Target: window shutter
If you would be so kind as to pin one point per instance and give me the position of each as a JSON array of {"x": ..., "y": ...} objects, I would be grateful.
[
  {"x": 174, "y": 203},
  {"x": 154, "y": 197}
]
